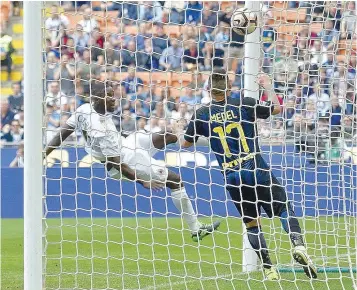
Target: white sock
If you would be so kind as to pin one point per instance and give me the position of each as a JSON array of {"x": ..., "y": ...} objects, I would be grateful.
[{"x": 184, "y": 205}]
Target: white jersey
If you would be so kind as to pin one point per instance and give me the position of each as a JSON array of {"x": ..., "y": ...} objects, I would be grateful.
[{"x": 102, "y": 138}]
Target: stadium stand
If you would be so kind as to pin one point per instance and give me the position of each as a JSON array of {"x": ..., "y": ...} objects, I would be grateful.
[{"x": 97, "y": 40}]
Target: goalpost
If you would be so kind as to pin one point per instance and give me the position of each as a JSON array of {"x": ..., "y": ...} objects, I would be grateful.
[
  {"x": 33, "y": 189},
  {"x": 84, "y": 230},
  {"x": 251, "y": 89}
]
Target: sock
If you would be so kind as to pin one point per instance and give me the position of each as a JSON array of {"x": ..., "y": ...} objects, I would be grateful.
[
  {"x": 258, "y": 243},
  {"x": 291, "y": 226},
  {"x": 184, "y": 205}
]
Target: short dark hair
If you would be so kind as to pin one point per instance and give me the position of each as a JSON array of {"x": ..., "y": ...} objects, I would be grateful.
[
  {"x": 219, "y": 81},
  {"x": 98, "y": 88}
]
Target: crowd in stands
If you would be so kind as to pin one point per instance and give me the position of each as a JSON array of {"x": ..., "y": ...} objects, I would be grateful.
[{"x": 316, "y": 86}]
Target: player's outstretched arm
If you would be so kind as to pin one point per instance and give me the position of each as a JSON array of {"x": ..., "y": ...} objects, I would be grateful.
[
  {"x": 193, "y": 131},
  {"x": 62, "y": 135},
  {"x": 130, "y": 174},
  {"x": 264, "y": 81}
]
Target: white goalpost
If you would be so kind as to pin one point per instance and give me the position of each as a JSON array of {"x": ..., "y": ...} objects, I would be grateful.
[
  {"x": 33, "y": 188},
  {"x": 252, "y": 54},
  {"x": 87, "y": 229}
]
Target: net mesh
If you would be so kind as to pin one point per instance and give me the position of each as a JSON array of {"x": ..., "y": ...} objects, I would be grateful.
[{"x": 102, "y": 233}]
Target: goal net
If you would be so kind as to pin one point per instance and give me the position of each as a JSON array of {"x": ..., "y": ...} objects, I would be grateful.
[{"x": 104, "y": 233}]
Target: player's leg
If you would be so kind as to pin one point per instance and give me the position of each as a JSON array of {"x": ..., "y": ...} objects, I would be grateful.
[
  {"x": 291, "y": 226},
  {"x": 275, "y": 203},
  {"x": 272, "y": 196},
  {"x": 148, "y": 168},
  {"x": 257, "y": 241},
  {"x": 151, "y": 143},
  {"x": 244, "y": 198},
  {"x": 183, "y": 204},
  {"x": 181, "y": 200}
]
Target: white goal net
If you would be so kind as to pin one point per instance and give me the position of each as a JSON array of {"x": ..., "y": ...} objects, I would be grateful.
[{"x": 101, "y": 232}]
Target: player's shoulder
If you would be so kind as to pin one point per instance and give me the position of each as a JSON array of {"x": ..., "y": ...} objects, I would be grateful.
[
  {"x": 202, "y": 112},
  {"x": 236, "y": 102},
  {"x": 84, "y": 109}
]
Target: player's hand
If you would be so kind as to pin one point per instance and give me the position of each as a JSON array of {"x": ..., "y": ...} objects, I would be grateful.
[
  {"x": 153, "y": 184},
  {"x": 264, "y": 81}
]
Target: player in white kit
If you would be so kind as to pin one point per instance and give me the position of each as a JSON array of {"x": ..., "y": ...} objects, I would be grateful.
[{"x": 131, "y": 156}]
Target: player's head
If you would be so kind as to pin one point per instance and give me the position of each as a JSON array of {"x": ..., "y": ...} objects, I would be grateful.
[
  {"x": 102, "y": 97},
  {"x": 219, "y": 84}
]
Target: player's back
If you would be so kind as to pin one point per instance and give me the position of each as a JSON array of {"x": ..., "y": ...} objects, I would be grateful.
[
  {"x": 102, "y": 138},
  {"x": 231, "y": 129},
  {"x": 85, "y": 118}
]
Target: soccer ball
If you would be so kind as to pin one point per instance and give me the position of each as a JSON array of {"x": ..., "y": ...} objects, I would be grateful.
[{"x": 244, "y": 21}]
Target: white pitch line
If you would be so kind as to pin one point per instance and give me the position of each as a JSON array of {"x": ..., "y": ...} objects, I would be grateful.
[{"x": 191, "y": 280}]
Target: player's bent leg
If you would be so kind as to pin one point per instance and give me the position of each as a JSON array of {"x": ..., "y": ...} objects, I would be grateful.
[
  {"x": 300, "y": 256},
  {"x": 244, "y": 198},
  {"x": 281, "y": 207},
  {"x": 184, "y": 205},
  {"x": 257, "y": 241},
  {"x": 291, "y": 225}
]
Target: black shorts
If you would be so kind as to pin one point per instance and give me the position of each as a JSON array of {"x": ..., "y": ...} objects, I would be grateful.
[{"x": 249, "y": 200}]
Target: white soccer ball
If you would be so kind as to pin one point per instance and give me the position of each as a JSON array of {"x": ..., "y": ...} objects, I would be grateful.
[{"x": 244, "y": 21}]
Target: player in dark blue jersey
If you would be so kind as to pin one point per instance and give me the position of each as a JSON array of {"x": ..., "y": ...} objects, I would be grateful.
[{"x": 230, "y": 126}]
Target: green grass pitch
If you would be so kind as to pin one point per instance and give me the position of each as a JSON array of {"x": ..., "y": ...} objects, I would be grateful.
[{"x": 155, "y": 253}]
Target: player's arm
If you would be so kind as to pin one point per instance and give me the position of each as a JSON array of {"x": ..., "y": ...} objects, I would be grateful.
[
  {"x": 192, "y": 130},
  {"x": 264, "y": 81},
  {"x": 130, "y": 173},
  {"x": 62, "y": 135},
  {"x": 258, "y": 110}
]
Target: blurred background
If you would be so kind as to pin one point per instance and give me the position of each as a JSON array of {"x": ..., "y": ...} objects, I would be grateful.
[{"x": 159, "y": 54}]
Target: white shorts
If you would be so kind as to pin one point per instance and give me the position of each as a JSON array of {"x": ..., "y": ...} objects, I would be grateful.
[{"x": 138, "y": 151}]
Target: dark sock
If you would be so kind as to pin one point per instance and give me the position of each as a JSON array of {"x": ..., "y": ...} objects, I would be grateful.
[
  {"x": 291, "y": 226},
  {"x": 258, "y": 243}
]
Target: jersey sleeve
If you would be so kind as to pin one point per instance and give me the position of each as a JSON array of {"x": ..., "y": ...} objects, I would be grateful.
[
  {"x": 76, "y": 117},
  {"x": 193, "y": 130},
  {"x": 258, "y": 110}
]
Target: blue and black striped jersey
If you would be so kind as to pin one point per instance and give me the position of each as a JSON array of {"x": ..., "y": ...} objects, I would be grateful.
[{"x": 231, "y": 128}]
